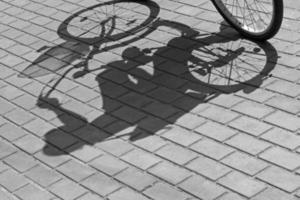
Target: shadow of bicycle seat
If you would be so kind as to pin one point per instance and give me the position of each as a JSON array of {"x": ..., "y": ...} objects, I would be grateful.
[{"x": 151, "y": 89}]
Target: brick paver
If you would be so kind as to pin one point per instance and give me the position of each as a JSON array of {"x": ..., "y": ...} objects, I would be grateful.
[{"x": 146, "y": 122}]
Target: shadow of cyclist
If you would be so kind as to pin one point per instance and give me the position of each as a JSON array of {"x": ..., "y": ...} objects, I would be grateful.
[{"x": 145, "y": 108}]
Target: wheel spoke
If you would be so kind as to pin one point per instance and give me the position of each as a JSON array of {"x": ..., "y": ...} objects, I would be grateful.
[{"x": 251, "y": 15}]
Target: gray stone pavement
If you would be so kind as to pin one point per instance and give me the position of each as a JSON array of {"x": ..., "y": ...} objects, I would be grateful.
[{"x": 142, "y": 121}]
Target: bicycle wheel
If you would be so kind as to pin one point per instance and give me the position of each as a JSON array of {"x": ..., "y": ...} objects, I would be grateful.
[
  {"x": 112, "y": 20},
  {"x": 254, "y": 19}
]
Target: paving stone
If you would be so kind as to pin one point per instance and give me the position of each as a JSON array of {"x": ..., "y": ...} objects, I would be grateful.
[
  {"x": 140, "y": 159},
  {"x": 273, "y": 193},
  {"x": 39, "y": 127},
  {"x": 12, "y": 132},
  {"x": 77, "y": 107},
  {"x": 149, "y": 142},
  {"x": 170, "y": 5},
  {"x": 112, "y": 90},
  {"x": 173, "y": 53},
  {"x": 242, "y": 184},
  {"x": 282, "y": 138},
  {"x": 3, "y": 167},
  {"x": 208, "y": 168},
  {"x": 169, "y": 172},
  {"x": 169, "y": 81},
  {"x": 6, "y": 149},
  {"x": 83, "y": 94},
  {"x": 212, "y": 149},
  {"x": 136, "y": 100},
  {"x": 258, "y": 95},
  {"x": 250, "y": 125},
  {"x": 219, "y": 114},
  {"x": 30, "y": 144},
  {"x": 91, "y": 196},
  {"x": 188, "y": 120},
  {"x": 202, "y": 188},
  {"x": 189, "y": 10},
  {"x": 101, "y": 184},
  {"x": 284, "y": 120},
  {"x": 161, "y": 110},
  {"x": 6, "y": 71},
  {"x": 116, "y": 76},
  {"x": 280, "y": 178},
  {"x": 32, "y": 29},
  {"x": 20, "y": 161},
  {"x": 11, "y": 60},
  {"x": 190, "y": 104},
  {"x": 84, "y": 152},
  {"x": 69, "y": 8},
  {"x": 2, "y": 121},
  {"x": 43, "y": 176},
  {"x": 231, "y": 196},
  {"x": 116, "y": 147},
  {"x": 297, "y": 194},
  {"x": 151, "y": 124},
  {"x": 10, "y": 92},
  {"x": 108, "y": 164},
  {"x": 176, "y": 154},
  {"x": 52, "y": 156},
  {"x": 285, "y": 104},
  {"x": 20, "y": 117},
  {"x": 18, "y": 82},
  {"x": 252, "y": 109},
  {"x": 135, "y": 178},
  {"x": 7, "y": 42},
  {"x": 90, "y": 134},
  {"x": 248, "y": 144},
  {"x": 76, "y": 170},
  {"x": 5, "y": 195},
  {"x": 288, "y": 60},
  {"x": 32, "y": 192},
  {"x": 127, "y": 194},
  {"x": 26, "y": 101},
  {"x": 285, "y": 88},
  {"x": 245, "y": 163},
  {"x": 67, "y": 189},
  {"x": 12, "y": 181},
  {"x": 129, "y": 114},
  {"x": 17, "y": 49},
  {"x": 60, "y": 139},
  {"x": 122, "y": 129},
  {"x": 216, "y": 131},
  {"x": 226, "y": 100},
  {"x": 99, "y": 118},
  {"x": 181, "y": 136},
  {"x": 161, "y": 191},
  {"x": 68, "y": 122},
  {"x": 281, "y": 157},
  {"x": 47, "y": 114}
]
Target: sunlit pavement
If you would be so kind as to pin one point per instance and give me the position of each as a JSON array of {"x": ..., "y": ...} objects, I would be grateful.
[{"x": 160, "y": 100}]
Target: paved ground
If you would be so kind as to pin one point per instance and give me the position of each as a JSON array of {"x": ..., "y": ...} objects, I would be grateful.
[{"x": 145, "y": 122}]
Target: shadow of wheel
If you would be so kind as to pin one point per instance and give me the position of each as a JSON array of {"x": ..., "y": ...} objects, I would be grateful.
[
  {"x": 109, "y": 21},
  {"x": 234, "y": 63}
]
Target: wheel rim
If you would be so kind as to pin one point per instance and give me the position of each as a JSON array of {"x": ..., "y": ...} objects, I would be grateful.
[{"x": 253, "y": 16}]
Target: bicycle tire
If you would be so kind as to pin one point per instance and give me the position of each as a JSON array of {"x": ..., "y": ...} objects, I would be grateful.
[{"x": 237, "y": 21}]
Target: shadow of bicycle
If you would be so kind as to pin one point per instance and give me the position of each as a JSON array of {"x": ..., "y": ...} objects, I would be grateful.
[{"x": 150, "y": 88}]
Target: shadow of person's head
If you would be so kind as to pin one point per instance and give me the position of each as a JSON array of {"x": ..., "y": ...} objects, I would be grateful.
[{"x": 213, "y": 52}]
